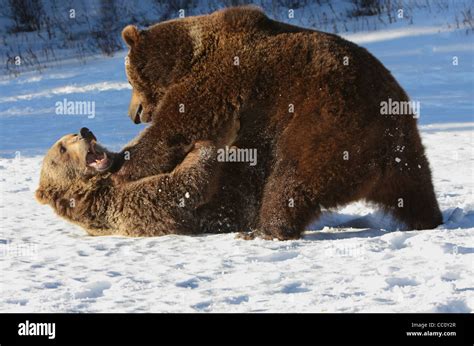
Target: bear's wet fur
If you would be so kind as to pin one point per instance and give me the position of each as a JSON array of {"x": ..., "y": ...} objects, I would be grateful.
[{"x": 308, "y": 102}]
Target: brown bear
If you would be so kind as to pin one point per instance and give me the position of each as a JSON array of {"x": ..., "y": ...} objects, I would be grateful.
[
  {"x": 76, "y": 182},
  {"x": 308, "y": 102}
]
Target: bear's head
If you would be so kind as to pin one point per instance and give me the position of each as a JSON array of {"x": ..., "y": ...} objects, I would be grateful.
[
  {"x": 158, "y": 58},
  {"x": 167, "y": 52},
  {"x": 73, "y": 158}
]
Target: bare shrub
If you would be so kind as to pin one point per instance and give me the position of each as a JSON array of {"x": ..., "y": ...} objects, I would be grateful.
[{"x": 26, "y": 15}]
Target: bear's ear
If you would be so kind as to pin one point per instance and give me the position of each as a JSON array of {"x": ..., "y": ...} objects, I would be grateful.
[
  {"x": 130, "y": 35},
  {"x": 42, "y": 195}
]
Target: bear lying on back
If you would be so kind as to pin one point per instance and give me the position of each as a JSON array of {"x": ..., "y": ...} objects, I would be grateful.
[{"x": 75, "y": 183}]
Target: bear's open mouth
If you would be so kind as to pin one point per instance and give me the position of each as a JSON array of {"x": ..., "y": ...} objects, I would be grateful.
[
  {"x": 138, "y": 114},
  {"x": 97, "y": 158}
]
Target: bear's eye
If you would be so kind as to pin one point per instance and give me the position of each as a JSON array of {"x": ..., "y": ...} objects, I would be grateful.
[{"x": 62, "y": 149}]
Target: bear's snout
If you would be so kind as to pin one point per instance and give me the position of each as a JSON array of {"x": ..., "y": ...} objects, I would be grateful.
[{"x": 87, "y": 134}]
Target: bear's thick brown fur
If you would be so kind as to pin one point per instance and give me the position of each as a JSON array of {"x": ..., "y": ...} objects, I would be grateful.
[
  {"x": 308, "y": 102},
  {"x": 74, "y": 184}
]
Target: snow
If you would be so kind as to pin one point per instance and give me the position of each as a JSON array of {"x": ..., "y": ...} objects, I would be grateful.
[
  {"x": 69, "y": 89},
  {"x": 385, "y": 35},
  {"x": 50, "y": 265},
  {"x": 351, "y": 260}
]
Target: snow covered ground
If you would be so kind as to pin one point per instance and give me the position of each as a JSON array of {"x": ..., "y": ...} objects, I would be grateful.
[{"x": 49, "y": 265}]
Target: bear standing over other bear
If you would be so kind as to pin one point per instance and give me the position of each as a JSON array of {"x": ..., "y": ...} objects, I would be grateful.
[{"x": 308, "y": 102}]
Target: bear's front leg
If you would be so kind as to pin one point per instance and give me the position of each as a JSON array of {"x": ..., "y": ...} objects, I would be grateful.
[
  {"x": 171, "y": 199},
  {"x": 153, "y": 152},
  {"x": 162, "y": 146},
  {"x": 198, "y": 174},
  {"x": 288, "y": 205}
]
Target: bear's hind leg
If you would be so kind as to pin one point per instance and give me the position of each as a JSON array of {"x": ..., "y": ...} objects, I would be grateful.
[{"x": 410, "y": 196}]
